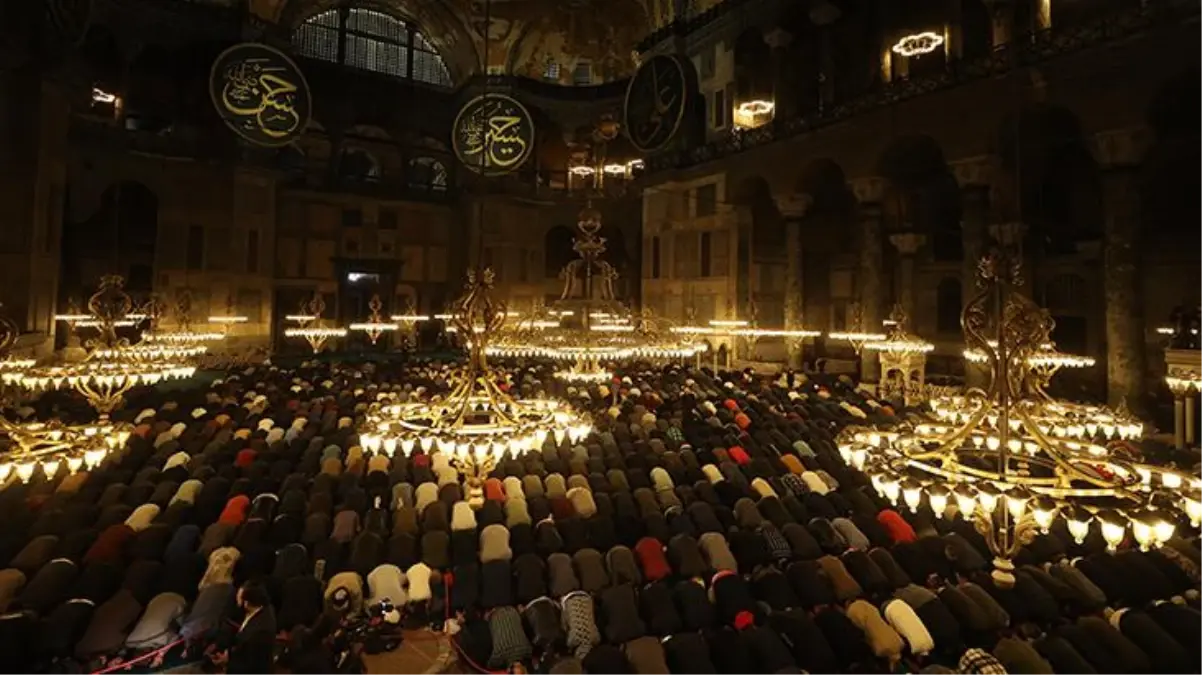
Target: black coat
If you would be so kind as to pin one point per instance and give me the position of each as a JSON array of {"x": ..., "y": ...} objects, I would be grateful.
[{"x": 253, "y": 650}]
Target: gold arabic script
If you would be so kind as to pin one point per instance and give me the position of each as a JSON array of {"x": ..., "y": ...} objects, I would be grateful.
[
  {"x": 494, "y": 140},
  {"x": 256, "y": 92}
]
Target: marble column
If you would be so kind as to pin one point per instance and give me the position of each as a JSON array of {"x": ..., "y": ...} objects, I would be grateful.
[
  {"x": 1125, "y": 350},
  {"x": 907, "y": 244},
  {"x": 1001, "y": 15},
  {"x": 869, "y": 193},
  {"x": 792, "y": 210}
]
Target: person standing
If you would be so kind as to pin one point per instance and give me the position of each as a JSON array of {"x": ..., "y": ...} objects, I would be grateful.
[{"x": 253, "y": 647}]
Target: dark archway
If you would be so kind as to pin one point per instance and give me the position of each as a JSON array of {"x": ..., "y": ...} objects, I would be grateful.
[
  {"x": 949, "y": 298},
  {"x": 1172, "y": 169},
  {"x": 119, "y": 238},
  {"x": 924, "y": 196},
  {"x": 357, "y": 165},
  {"x": 825, "y": 234},
  {"x": 1051, "y": 179},
  {"x": 557, "y": 250},
  {"x": 761, "y": 240}
]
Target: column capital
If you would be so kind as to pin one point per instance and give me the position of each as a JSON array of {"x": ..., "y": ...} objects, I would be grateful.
[
  {"x": 1008, "y": 233},
  {"x": 794, "y": 205},
  {"x": 1121, "y": 147},
  {"x": 870, "y": 189},
  {"x": 974, "y": 171},
  {"x": 778, "y": 38},
  {"x": 908, "y": 243}
]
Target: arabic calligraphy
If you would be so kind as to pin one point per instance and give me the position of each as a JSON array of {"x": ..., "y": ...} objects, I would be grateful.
[
  {"x": 493, "y": 134},
  {"x": 655, "y": 102},
  {"x": 261, "y": 94}
]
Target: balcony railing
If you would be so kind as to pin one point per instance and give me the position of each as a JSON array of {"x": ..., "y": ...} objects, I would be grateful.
[{"x": 1036, "y": 48}]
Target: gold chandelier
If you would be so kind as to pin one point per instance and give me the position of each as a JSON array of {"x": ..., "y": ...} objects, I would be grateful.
[
  {"x": 112, "y": 366},
  {"x": 375, "y": 326},
  {"x": 477, "y": 424},
  {"x": 588, "y": 326},
  {"x": 26, "y": 447},
  {"x": 311, "y": 326},
  {"x": 1012, "y": 459},
  {"x": 182, "y": 335}
]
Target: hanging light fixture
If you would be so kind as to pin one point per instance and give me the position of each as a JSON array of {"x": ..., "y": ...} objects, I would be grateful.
[
  {"x": 375, "y": 326},
  {"x": 918, "y": 44},
  {"x": 312, "y": 327},
  {"x": 1013, "y": 461},
  {"x": 112, "y": 366},
  {"x": 477, "y": 424},
  {"x": 588, "y": 326}
]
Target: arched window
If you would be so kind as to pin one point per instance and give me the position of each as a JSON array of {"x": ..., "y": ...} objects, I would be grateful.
[
  {"x": 948, "y": 301},
  {"x": 355, "y": 164},
  {"x": 427, "y": 173},
  {"x": 371, "y": 40}
]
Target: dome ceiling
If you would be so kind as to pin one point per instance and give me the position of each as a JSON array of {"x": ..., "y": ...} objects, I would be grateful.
[{"x": 541, "y": 39}]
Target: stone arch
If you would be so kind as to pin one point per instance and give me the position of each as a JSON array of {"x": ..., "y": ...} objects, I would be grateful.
[
  {"x": 949, "y": 298},
  {"x": 557, "y": 250},
  {"x": 832, "y": 204},
  {"x": 762, "y": 239},
  {"x": 923, "y": 194},
  {"x": 977, "y": 29},
  {"x": 1171, "y": 171},
  {"x": 119, "y": 237},
  {"x": 358, "y": 165},
  {"x": 753, "y": 67},
  {"x": 1066, "y": 297},
  {"x": 1049, "y": 178},
  {"x": 824, "y": 235}
]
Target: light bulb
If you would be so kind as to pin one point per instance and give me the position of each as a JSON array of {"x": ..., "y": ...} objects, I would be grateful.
[
  {"x": 1192, "y": 503},
  {"x": 913, "y": 495},
  {"x": 1164, "y": 530},
  {"x": 987, "y": 498},
  {"x": 1043, "y": 510},
  {"x": 966, "y": 501},
  {"x": 938, "y": 496},
  {"x": 1016, "y": 503},
  {"x": 1114, "y": 528}
]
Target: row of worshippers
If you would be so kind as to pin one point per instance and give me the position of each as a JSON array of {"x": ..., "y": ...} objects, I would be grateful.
[{"x": 623, "y": 435}]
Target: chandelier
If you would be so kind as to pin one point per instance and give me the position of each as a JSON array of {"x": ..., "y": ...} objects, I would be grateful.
[
  {"x": 477, "y": 424},
  {"x": 230, "y": 318},
  {"x": 26, "y": 447},
  {"x": 903, "y": 360},
  {"x": 1015, "y": 462},
  {"x": 112, "y": 365},
  {"x": 182, "y": 334},
  {"x": 375, "y": 326},
  {"x": 312, "y": 327},
  {"x": 858, "y": 337},
  {"x": 587, "y": 326}
]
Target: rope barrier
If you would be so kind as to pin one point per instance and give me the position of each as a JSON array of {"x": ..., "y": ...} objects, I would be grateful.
[{"x": 126, "y": 665}]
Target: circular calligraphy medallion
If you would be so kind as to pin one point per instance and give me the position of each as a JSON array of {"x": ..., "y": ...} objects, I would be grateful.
[
  {"x": 260, "y": 94},
  {"x": 656, "y": 99},
  {"x": 493, "y": 134}
]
